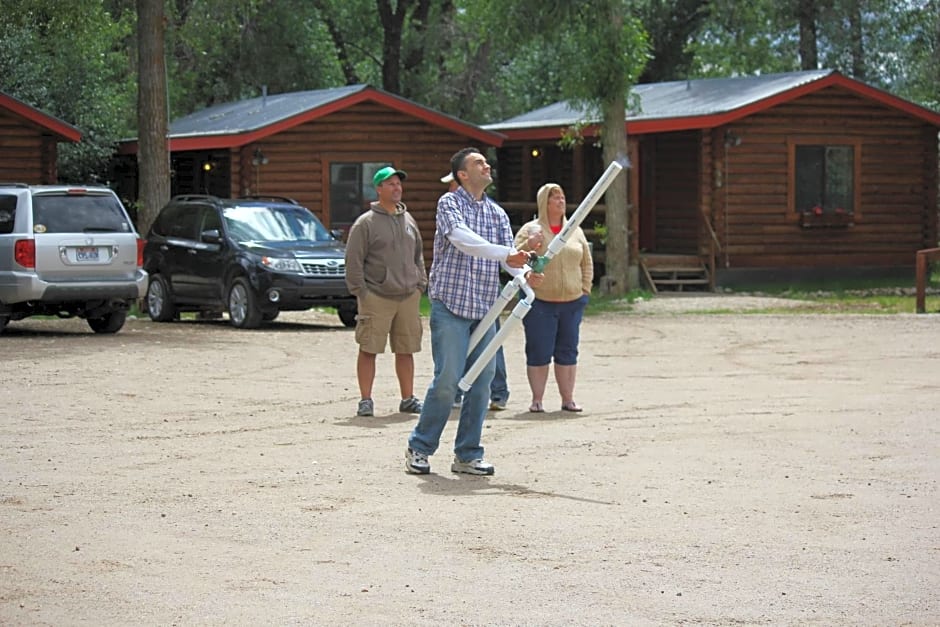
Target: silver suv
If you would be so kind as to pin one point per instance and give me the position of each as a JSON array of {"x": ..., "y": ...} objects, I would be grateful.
[{"x": 68, "y": 251}]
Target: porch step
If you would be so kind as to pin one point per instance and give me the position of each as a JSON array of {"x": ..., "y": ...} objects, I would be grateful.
[{"x": 674, "y": 272}]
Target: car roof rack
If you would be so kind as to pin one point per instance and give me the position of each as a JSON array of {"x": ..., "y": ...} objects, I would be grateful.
[
  {"x": 4, "y": 184},
  {"x": 269, "y": 197},
  {"x": 185, "y": 197}
]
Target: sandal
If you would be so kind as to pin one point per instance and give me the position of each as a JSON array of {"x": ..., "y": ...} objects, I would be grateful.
[
  {"x": 536, "y": 407},
  {"x": 570, "y": 406}
]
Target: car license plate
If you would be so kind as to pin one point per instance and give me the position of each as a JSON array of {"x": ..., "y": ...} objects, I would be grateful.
[{"x": 86, "y": 254}]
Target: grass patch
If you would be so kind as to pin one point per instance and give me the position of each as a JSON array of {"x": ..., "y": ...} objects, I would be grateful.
[{"x": 602, "y": 303}]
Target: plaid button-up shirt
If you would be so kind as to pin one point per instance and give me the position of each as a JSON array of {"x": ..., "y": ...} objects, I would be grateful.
[{"x": 467, "y": 285}]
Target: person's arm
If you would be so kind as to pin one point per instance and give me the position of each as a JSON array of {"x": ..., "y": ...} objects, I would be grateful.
[
  {"x": 468, "y": 242},
  {"x": 587, "y": 265},
  {"x": 355, "y": 259},
  {"x": 419, "y": 258}
]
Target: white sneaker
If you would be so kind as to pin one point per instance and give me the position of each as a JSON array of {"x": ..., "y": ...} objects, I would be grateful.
[
  {"x": 416, "y": 463},
  {"x": 472, "y": 467}
]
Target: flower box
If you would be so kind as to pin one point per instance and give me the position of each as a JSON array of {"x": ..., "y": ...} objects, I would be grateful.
[{"x": 826, "y": 220}]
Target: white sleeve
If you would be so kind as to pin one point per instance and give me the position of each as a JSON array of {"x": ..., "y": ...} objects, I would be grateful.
[{"x": 468, "y": 242}]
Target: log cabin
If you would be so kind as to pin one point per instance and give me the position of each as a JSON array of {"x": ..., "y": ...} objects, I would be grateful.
[
  {"x": 319, "y": 148},
  {"x": 766, "y": 176},
  {"x": 29, "y": 142}
]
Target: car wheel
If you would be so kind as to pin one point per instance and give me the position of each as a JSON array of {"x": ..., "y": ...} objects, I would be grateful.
[
  {"x": 268, "y": 316},
  {"x": 347, "y": 316},
  {"x": 3, "y": 322},
  {"x": 160, "y": 300},
  {"x": 243, "y": 310},
  {"x": 108, "y": 323}
]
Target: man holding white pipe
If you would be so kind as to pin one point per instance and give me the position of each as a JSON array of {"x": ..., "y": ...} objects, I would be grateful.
[{"x": 472, "y": 241}]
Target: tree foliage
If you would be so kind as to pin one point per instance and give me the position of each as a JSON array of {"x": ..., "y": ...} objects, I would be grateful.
[
  {"x": 64, "y": 58},
  {"x": 480, "y": 60}
]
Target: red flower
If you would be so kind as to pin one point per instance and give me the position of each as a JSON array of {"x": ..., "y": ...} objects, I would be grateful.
[{"x": 818, "y": 210}]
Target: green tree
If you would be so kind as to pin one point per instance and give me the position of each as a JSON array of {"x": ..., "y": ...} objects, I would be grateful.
[
  {"x": 220, "y": 51},
  {"x": 604, "y": 48},
  {"x": 66, "y": 60},
  {"x": 889, "y": 44}
]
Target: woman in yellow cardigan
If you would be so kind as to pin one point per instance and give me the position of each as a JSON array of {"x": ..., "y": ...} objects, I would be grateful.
[{"x": 553, "y": 324}]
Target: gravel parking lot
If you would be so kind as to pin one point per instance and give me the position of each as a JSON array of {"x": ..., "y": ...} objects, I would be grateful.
[{"x": 727, "y": 470}]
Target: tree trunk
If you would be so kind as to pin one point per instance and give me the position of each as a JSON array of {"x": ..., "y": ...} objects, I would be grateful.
[
  {"x": 856, "y": 39},
  {"x": 806, "y": 14},
  {"x": 153, "y": 163},
  {"x": 617, "y": 260},
  {"x": 392, "y": 22}
]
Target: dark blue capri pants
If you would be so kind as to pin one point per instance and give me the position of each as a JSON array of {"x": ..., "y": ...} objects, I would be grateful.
[{"x": 552, "y": 331}]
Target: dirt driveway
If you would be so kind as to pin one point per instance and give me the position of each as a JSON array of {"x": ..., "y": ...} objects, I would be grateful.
[{"x": 728, "y": 470}]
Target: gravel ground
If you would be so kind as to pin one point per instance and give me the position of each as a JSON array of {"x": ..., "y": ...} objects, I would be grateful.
[{"x": 727, "y": 470}]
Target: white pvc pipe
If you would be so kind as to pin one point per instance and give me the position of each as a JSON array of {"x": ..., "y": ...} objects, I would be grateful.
[
  {"x": 592, "y": 198},
  {"x": 522, "y": 308},
  {"x": 518, "y": 283}
]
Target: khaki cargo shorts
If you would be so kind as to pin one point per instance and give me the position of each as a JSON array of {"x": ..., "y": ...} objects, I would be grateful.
[{"x": 382, "y": 320}]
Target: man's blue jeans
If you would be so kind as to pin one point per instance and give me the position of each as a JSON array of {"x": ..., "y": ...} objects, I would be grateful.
[{"x": 450, "y": 337}]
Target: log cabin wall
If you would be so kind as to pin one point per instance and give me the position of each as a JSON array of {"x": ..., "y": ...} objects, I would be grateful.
[
  {"x": 26, "y": 155},
  {"x": 896, "y": 212},
  {"x": 299, "y": 159},
  {"x": 678, "y": 192}
]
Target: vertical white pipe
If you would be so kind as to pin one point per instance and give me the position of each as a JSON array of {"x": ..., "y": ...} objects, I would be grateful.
[
  {"x": 520, "y": 310},
  {"x": 517, "y": 283}
]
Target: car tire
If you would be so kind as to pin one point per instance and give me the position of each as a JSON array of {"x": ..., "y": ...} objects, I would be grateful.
[
  {"x": 160, "y": 300},
  {"x": 3, "y": 322},
  {"x": 243, "y": 310},
  {"x": 268, "y": 316},
  {"x": 347, "y": 316},
  {"x": 109, "y": 323}
]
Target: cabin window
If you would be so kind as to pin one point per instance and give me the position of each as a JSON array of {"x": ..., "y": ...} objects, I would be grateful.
[
  {"x": 351, "y": 191},
  {"x": 825, "y": 179}
]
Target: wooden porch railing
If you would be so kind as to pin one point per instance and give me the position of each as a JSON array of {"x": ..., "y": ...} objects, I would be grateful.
[{"x": 923, "y": 259}]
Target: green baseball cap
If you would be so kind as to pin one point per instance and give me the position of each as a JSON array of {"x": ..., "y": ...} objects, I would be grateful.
[{"x": 385, "y": 173}]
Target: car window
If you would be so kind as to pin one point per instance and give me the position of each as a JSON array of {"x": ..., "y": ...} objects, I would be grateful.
[
  {"x": 72, "y": 213},
  {"x": 211, "y": 220},
  {"x": 7, "y": 213},
  {"x": 181, "y": 221},
  {"x": 248, "y": 223}
]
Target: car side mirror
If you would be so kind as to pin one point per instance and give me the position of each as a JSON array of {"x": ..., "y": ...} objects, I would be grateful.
[
  {"x": 211, "y": 236},
  {"x": 337, "y": 233}
]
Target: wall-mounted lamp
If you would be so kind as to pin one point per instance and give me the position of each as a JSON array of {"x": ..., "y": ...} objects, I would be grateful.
[
  {"x": 207, "y": 166},
  {"x": 731, "y": 139},
  {"x": 259, "y": 158},
  {"x": 536, "y": 153}
]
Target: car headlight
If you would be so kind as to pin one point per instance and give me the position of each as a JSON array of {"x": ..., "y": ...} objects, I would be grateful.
[{"x": 281, "y": 264}]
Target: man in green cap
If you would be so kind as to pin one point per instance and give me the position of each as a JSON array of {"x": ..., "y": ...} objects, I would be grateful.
[{"x": 385, "y": 271}]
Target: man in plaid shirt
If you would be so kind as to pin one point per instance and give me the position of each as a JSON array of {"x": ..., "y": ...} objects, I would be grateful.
[{"x": 472, "y": 241}]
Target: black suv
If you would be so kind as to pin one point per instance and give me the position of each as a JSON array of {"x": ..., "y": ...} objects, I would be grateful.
[
  {"x": 67, "y": 251},
  {"x": 252, "y": 257}
]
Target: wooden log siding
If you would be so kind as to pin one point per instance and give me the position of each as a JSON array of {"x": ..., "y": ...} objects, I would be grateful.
[
  {"x": 26, "y": 156},
  {"x": 299, "y": 158},
  {"x": 897, "y": 169}
]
